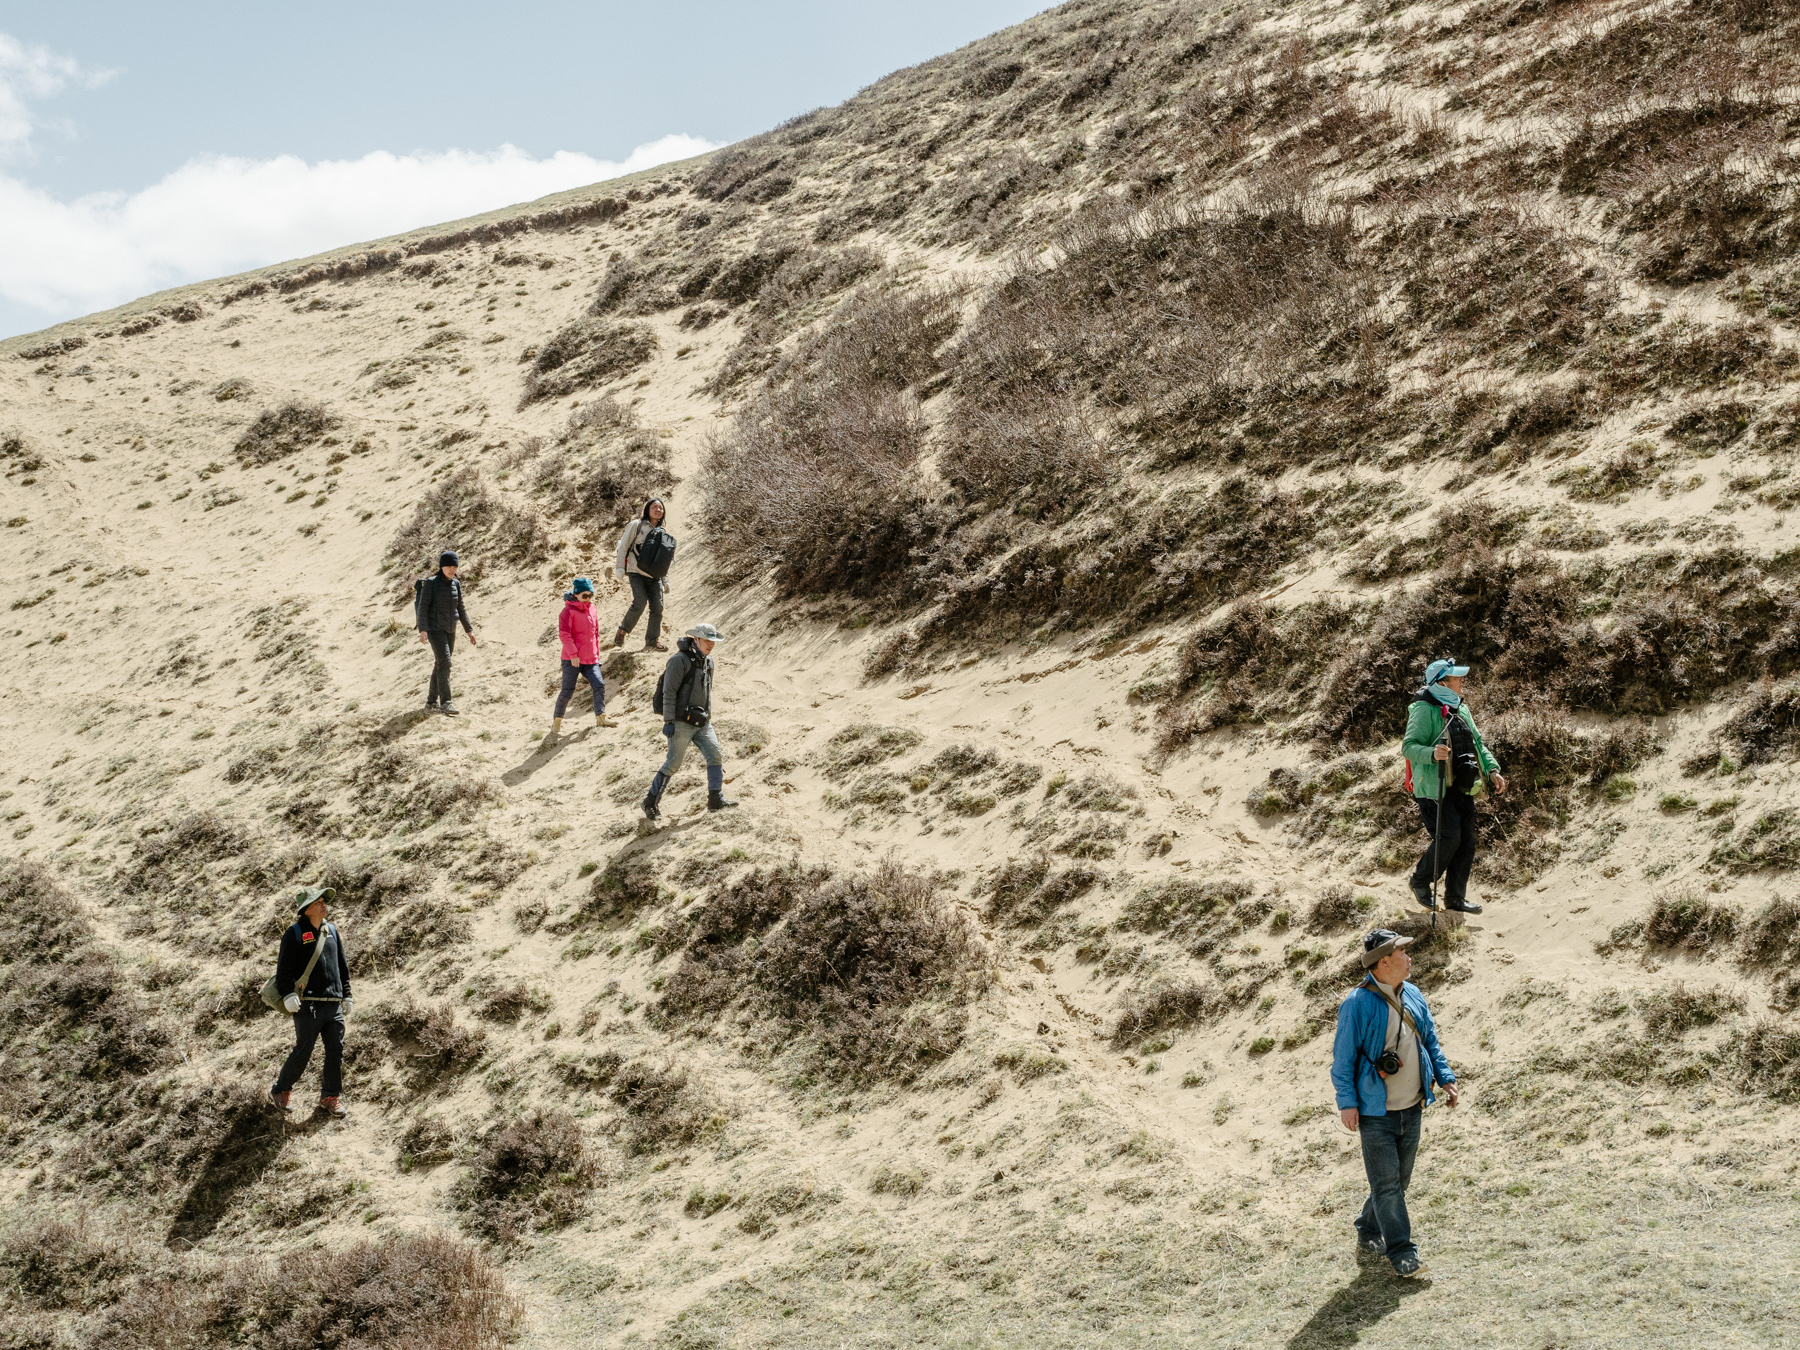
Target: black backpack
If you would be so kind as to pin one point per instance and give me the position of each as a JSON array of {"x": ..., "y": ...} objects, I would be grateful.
[{"x": 656, "y": 553}]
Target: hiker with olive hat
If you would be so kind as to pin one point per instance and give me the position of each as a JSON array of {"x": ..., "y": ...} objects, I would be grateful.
[
  {"x": 1384, "y": 1063},
  {"x": 684, "y": 699},
  {"x": 1440, "y": 734},
  {"x": 312, "y": 980}
]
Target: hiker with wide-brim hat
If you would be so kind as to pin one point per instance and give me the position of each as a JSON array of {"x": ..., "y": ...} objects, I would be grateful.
[
  {"x": 1447, "y": 767},
  {"x": 312, "y": 978},
  {"x": 684, "y": 698},
  {"x": 1385, "y": 1061}
]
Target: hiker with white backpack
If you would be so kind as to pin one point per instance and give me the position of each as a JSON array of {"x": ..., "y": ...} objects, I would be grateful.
[
  {"x": 312, "y": 984},
  {"x": 646, "y": 550}
]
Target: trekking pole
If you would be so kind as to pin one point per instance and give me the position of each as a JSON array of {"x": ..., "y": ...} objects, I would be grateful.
[{"x": 1443, "y": 766}]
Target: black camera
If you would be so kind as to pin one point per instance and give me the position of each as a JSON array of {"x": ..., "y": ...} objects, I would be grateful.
[{"x": 1389, "y": 1063}]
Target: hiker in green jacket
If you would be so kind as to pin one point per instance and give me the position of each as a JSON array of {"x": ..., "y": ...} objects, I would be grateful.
[{"x": 1440, "y": 734}]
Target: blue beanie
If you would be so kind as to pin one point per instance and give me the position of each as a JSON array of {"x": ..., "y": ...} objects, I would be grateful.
[{"x": 582, "y": 584}]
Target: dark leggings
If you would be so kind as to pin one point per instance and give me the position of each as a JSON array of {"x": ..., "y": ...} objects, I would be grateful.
[
  {"x": 596, "y": 682},
  {"x": 442, "y": 644},
  {"x": 313, "y": 1021},
  {"x": 1455, "y": 846},
  {"x": 644, "y": 591}
]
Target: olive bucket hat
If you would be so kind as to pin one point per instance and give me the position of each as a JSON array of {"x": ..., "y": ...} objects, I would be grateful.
[{"x": 310, "y": 894}]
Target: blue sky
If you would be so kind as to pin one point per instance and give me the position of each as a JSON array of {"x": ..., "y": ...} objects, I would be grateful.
[{"x": 142, "y": 146}]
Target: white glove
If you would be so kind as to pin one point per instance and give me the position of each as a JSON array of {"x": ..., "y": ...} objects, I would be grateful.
[
  {"x": 291, "y": 1003},
  {"x": 344, "y": 1007}
]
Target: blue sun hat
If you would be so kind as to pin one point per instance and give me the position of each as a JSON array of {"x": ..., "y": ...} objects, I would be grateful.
[{"x": 1444, "y": 668}]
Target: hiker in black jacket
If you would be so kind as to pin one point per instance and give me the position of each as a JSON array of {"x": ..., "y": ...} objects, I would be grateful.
[
  {"x": 685, "y": 696},
  {"x": 438, "y": 608},
  {"x": 320, "y": 1008}
]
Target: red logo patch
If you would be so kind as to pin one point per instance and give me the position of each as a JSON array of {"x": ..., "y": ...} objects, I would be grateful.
[{"x": 308, "y": 937}]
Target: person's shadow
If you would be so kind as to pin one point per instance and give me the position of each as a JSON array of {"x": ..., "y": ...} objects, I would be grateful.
[
  {"x": 548, "y": 749},
  {"x": 1372, "y": 1295}
]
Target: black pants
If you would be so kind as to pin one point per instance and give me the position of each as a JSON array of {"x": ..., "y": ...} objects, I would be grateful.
[
  {"x": 313, "y": 1021},
  {"x": 442, "y": 644},
  {"x": 596, "y": 682},
  {"x": 1455, "y": 845},
  {"x": 644, "y": 591}
]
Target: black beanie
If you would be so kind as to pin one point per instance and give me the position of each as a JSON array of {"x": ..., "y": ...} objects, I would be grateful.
[{"x": 447, "y": 559}]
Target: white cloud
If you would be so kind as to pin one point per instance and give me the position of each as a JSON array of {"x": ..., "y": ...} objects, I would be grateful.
[
  {"x": 214, "y": 216},
  {"x": 31, "y": 73}
]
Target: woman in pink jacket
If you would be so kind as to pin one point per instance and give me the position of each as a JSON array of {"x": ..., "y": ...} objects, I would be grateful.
[{"x": 580, "y": 630}]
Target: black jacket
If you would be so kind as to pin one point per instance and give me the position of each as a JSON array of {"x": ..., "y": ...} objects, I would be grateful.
[
  {"x": 438, "y": 604},
  {"x": 697, "y": 671},
  {"x": 330, "y": 977}
]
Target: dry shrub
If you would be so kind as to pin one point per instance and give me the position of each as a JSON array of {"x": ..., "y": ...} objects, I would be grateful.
[
  {"x": 1769, "y": 936},
  {"x": 587, "y": 352},
  {"x": 425, "y": 1140},
  {"x": 461, "y": 513},
  {"x": 818, "y": 478},
  {"x": 431, "y": 1046},
  {"x": 372, "y": 881},
  {"x": 1765, "y": 725},
  {"x": 663, "y": 1108},
  {"x": 421, "y": 1292},
  {"x": 1686, "y": 919},
  {"x": 282, "y": 432},
  {"x": 171, "y": 857},
  {"x": 1771, "y": 841},
  {"x": 1184, "y": 1004},
  {"x": 531, "y": 1172},
  {"x": 1026, "y": 892},
  {"x": 863, "y": 744},
  {"x": 618, "y": 892},
  {"x": 1335, "y": 909},
  {"x": 1670, "y": 1012},
  {"x": 1770, "y": 1055},
  {"x": 605, "y": 487},
  {"x": 50, "y": 1263},
  {"x": 1197, "y": 914},
  {"x": 872, "y": 971}
]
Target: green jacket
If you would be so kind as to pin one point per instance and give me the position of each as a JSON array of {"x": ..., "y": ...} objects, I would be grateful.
[{"x": 1424, "y": 728}]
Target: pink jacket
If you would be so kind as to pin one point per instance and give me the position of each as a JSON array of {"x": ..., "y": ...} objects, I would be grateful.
[{"x": 580, "y": 630}]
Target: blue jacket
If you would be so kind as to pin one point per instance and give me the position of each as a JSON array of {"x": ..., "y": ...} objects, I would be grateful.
[{"x": 1362, "y": 1026}]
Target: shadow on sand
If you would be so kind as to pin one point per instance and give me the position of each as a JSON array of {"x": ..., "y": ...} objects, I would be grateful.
[
  {"x": 242, "y": 1156},
  {"x": 548, "y": 749},
  {"x": 1372, "y": 1295}
]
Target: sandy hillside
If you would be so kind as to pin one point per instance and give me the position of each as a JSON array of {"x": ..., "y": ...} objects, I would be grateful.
[{"x": 1082, "y": 440}]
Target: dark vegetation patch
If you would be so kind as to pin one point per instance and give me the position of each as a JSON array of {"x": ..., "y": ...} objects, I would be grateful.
[
  {"x": 662, "y": 1108},
  {"x": 284, "y": 431},
  {"x": 587, "y": 352},
  {"x": 1197, "y": 914},
  {"x": 621, "y": 890},
  {"x": 597, "y": 481},
  {"x": 871, "y": 972},
  {"x": 1026, "y": 892},
  {"x": 178, "y": 853},
  {"x": 862, "y": 745},
  {"x": 464, "y": 514},
  {"x": 428, "y": 1043},
  {"x": 532, "y": 1172}
]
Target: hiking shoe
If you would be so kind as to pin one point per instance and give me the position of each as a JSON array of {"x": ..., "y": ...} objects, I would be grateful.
[
  {"x": 715, "y": 801},
  {"x": 432, "y": 707},
  {"x": 656, "y": 646},
  {"x": 1463, "y": 906},
  {"x": 1371, "y": 1246},
  {"x": 1409, "y": 1267},
  {"x": 448, "y": 709},
  {"x": 1423, "y": 895},
  {"x": 602, "y": 720},
  {"x": 280, "y": 1100},
  {"x": 651, "y": 810},
  {"x": 333, "y": 1107},
  {"x": 619, "y": 638}
]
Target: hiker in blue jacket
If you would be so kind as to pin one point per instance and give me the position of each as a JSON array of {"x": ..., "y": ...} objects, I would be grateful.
[{"x": 1383, "y": 1065}]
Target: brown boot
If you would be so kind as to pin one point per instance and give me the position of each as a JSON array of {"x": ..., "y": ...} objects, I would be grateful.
[{"x": 619, "y": 638}]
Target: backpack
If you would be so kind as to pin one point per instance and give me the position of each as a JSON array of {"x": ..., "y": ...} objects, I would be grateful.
[
  {"x": 655, "y": 553},
  {"x": 670, "y": 708}
]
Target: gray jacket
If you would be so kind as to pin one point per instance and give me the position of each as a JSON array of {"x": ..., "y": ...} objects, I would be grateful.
[
  {"x": 698, "y": 694},
  {"x": 634, "y": 535}
]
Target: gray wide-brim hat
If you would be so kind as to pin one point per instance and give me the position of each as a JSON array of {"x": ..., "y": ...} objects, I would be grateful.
[
  {"x": 1382, "y": 942},
  {"x": 310, "y": 894},
  {"x": 707, "y": 631}
]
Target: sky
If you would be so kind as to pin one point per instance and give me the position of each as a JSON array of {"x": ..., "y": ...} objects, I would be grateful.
[{"x": 145, "y": 146}]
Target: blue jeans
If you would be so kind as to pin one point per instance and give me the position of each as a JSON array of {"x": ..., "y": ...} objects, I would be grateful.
[
  {"x": 1389, "y": 1145},
  {"x": 596, "y": 682}
]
